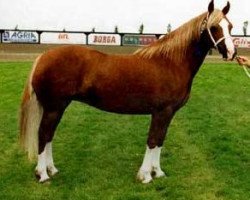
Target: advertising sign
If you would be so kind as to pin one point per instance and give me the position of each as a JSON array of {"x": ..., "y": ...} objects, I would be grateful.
[
  {"x": 241, "y": 42},
  {"x": 138, "y": 39},
  {"x": 63, "y": 38},
  {"x": 19, "y": 37},
  {"x": 104, "y": 39}
]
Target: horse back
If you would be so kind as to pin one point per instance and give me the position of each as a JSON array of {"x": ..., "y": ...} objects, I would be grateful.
[{"x": 116, "y": 83}]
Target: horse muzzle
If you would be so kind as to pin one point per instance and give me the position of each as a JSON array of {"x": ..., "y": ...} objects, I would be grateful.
[{"x": 229, "y": 55}]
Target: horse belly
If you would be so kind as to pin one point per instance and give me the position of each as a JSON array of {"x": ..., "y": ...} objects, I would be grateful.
[
  {"x": 126, "y": 107},
  {"x": 121, "y": 101}
]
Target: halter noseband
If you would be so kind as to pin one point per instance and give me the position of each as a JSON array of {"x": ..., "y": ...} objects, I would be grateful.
[{"x": 205, "y": 26}]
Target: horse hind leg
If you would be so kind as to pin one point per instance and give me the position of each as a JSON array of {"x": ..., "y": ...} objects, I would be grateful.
[
  {"x": 49, "y": 160},
  {"x": 48, "y": 125}
]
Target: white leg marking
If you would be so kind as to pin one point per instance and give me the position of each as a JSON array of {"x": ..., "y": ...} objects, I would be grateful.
[
  {"x": 228, "y": 41},
  {"x": 144, "y": 173},
  {"x": 41, "y": 168},
  {"x": 151, "y": 163},
  {"x": 49, "y": 160},
  {"x": 156, "y": 153}
]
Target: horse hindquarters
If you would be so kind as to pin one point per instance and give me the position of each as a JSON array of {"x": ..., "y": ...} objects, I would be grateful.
[{"x": 38, "y": 122}]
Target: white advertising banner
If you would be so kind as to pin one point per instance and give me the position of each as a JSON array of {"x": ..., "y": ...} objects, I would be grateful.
[
  {"x": 104, "y": 39},
  {"x": 63, "y": 38},
  {"x": 241, "y": 42},
  {"x": 19, "y": 37}
]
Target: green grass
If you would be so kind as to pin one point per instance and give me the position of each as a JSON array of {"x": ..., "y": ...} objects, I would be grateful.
[{"x": 206, "y": 155}]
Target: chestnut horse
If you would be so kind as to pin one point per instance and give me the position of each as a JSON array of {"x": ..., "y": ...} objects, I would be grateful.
[{"x": 155, "y": 80}]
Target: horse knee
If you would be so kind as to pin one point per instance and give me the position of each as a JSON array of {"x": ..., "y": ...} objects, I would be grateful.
[
  {"x": 152, "y": 142},
  {"x": 156, "y": 140}
]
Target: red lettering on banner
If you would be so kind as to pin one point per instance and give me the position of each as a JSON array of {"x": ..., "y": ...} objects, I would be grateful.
[
  {"x": 241, "y": 42},
  {"x": 63, "y": 36},
  {"x": 102, "y": 39},
  {"x": 146, "y": 40}
]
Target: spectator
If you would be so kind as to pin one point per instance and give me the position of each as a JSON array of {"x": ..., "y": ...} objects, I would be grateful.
[{"x": 242, "y": 60}]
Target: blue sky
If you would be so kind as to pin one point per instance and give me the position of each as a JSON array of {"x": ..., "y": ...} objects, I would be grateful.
[{"x": 104, "y": 15}]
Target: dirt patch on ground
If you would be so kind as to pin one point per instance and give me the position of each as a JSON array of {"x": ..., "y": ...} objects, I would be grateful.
[{"x": 28, "y": 52}]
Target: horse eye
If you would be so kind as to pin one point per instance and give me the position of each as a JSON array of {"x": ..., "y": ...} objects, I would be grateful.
[{"x": 214, "y": 28}]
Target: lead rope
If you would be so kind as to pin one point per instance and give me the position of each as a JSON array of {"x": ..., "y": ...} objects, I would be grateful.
[{"x": 245, "y": 69}]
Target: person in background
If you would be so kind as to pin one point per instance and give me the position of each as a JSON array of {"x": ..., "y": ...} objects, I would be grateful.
[{"x": 242, "y": 60}]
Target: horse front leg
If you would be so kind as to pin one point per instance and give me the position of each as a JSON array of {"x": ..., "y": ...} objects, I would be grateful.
[{"x": 151, "y": 162}]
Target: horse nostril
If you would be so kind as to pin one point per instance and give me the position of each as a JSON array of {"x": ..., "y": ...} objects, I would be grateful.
[{"x": 231, "y": 54}]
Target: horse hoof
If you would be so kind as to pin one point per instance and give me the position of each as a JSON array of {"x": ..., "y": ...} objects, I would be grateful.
[
  {"x": 145, "y": 181},
  {"x": 159, "y": 174},
  {"x": 43, "y": 177},
  {"x": 144, "y": 177},
  {"x": 52, "y": 171}
]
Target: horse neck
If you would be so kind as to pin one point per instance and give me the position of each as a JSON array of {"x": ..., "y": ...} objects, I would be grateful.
[
  {"x": 189, "y": 46},
  {"x": 196, "y": 54},
  {"x": 184, "y": 47}
]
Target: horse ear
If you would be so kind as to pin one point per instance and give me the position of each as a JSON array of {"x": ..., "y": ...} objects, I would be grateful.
[
  {"x": 211, "y": 7},
  {"x": 226, "y": 8}
]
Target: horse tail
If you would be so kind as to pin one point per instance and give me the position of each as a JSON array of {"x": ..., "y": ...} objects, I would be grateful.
[{"x": 30, "y": 118}]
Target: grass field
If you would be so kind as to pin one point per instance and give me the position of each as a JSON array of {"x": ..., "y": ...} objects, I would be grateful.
[{"x": 206, "y": 155}]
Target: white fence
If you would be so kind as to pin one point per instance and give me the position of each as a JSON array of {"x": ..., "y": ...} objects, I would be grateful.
[{"x": 90, "y": 38}]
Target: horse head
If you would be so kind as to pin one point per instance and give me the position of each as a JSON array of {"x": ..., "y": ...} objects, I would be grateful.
[{"x": 216, "y": 28}]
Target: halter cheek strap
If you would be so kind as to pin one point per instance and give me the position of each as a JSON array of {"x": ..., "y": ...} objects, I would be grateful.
[
  {"x": 213, "y": 40},
  {"x": 205, "y": 26}
]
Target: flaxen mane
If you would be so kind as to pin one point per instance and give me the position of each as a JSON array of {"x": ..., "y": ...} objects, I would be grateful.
[{"x": 176, "y": 43}]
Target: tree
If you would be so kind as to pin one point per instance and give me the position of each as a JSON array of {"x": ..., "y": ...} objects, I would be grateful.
[
  {"x": 141, "y": 28},
  {"x": 245, "y": 25},
  {"x": 116, "y": 29},
  {"x": 169, "y": 28}
]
